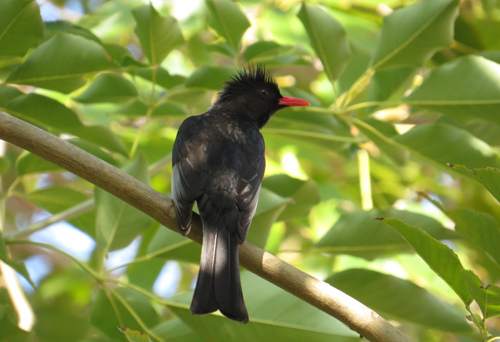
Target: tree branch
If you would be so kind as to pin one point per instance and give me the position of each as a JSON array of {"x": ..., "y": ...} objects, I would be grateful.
[{"x": 315, "y": 292}]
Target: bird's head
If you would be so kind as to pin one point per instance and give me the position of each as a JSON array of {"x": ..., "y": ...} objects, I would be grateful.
[{"x": 254, "y": 93}]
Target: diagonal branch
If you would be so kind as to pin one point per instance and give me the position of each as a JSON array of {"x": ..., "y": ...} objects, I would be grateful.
[{"x": 315, "y": 292}]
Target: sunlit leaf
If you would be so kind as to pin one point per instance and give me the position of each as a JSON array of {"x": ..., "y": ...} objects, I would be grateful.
[
  {"x": 303, "y": 195},
  {"x": 59, "y": 26},
  {"x": 445, "y": 144},
  {"x": 158, "y": 35},
  {"x": 48, "y": 113},
  {"x": 161, "y": 76},
  {"x": 488, "y": 177},
  {"x": 328, "y": 39},
  {"x": 269, "y": 208},
  {"x": 199, "y": 98},
  {"x": 486, "y": 296},
  {"x": 108, "y": 88},
  {"x": 175, "y": 330},
  {"x": 139, "y": 108},
  {"x": 381, "y": 292},
  {"x": 9, "y": 320},
  {"x": 441, "y": 258},
  {"x": 108, "y": 312},
  {"x": 382, "y": 134},
  {"x": 31, "y": 163},
  {"x": 359, "y": 233},
  {"x": 210, "y": 77},
  {"x": 134, "y": 335},
  {"x": 273, "y": 313},
  {"x": 47, "y": 67},
  {"x": 4, "y": 164},
  {"x": 264, "y": 49},
  {"x": 472, "y": 90},
  {"x": 227, "y": 19},
  {"x": 21, "y": 27},
  {"x": 19, "y": 267},
  {"x": 173, "y": 246},
  {"x": 412, "y": 34},
  {"x": 479, "y": 228},
  {"x": 356, "y": 66},
  {"x": 390, "y": 84},
  {"x": 117, "y": 222},
  {"x": 56, "y": 199}
]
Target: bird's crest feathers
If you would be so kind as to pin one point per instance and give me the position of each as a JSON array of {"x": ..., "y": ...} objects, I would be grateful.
[{"x": 251, "y": 76}]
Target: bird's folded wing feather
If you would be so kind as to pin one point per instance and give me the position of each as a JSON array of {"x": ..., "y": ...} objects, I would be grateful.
[
  {"x": 188, "y": 176},
  {"x": 248, "y": 192}
]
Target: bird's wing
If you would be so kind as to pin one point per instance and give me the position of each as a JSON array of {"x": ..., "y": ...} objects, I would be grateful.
[
  {"x": 248, "y": 192},
  {"x": 188, "y": 176}
]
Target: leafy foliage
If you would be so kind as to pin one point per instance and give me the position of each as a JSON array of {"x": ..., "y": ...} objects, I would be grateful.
[{"x": 387, "y": 187}]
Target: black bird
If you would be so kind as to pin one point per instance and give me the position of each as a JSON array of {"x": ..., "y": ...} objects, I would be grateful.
[{"x": 218, "y": 161}]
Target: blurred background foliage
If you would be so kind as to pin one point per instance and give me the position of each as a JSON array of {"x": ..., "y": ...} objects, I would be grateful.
[{"x": 387, "y": 186}]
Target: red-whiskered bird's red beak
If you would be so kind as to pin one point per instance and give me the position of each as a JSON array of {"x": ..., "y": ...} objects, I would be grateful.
[{"x": 292, "y": 101}]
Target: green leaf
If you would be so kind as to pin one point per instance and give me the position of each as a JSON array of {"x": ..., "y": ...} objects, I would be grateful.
[
  {"x": 269, "y": 208},
  {"x": 173, "y": 246},
  {"x": 175, "y": 330},
  {"x": 328, "y": 39},
  {"x": 301, "y": 117},
  {"x": 479, "y": 228},
  {"x": 47, "y": 67},
  {"x": 58, "y": 26},
  {"x": 223, "y": 48},
  {"x": 440, "y": 258},
  {"x": 4, "y": 164},
  {"x": 227, "y": 19},
  {"x": 412, "y": 34},
  {"x": 274, "y": 313},
  {"x": 134, "y": 335},
  {"x": 360, "y": 234},
  {"x": 322, "y": 137},
  {"x": 194, "y": 97},
  {"x": 9, "y": 320},
  {"x": 384, "y": 293},
  {"x": 21, "y": 27},
  {"x": 444, "y": 144},
  {"x": 118, "y": 223},
  {"x": 382, "y": 134},
  {"x": 109, "y": 312},
  {"x": 210, "y": 77},
  {"x": 17, "y": 266},
  {"x": 488, "y": 177},
  {"x": 303, "y": 195},
  {"x": 108, "y": 88},
  {"x": 264, "y": 49},
  {"x": 31, "y": 163},
  {"x": 161, "y": 77},
  {"x": 472, "y": 90},
  {"x": 487, "y": 297},
  {"x": 357, "y": 65},
  {"x": 390, "y": 84},
  {"x": 101, "y": 136},
  {"x": 139, "y": 108},
  {"x": 38, "y": 110},
  {"x": 57, "y": 198},
  {"x": 48, "y": 113},
  {"x": 158, "y": 35}
]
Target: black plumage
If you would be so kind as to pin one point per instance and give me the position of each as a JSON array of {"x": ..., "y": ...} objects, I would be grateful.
[{"x": 218, "y": 161}]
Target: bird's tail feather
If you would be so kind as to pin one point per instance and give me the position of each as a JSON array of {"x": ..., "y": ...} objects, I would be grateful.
[{"x": 218, "y": 285}]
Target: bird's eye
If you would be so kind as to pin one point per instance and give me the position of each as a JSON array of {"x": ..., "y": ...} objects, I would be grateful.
[{"x": 264, "y": 93}]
